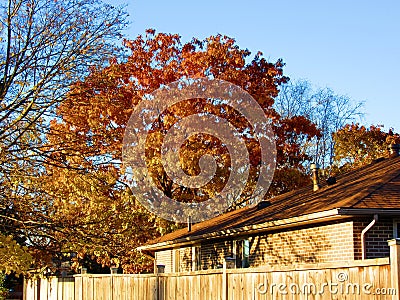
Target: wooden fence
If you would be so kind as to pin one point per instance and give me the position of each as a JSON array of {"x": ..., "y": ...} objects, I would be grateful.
[
  {"x": 57, "y": 288},
  {"x": 364, "y": 279}
]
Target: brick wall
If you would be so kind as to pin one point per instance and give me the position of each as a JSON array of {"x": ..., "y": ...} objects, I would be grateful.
[
  {"x": 376, "y": 238},
  {"x": 324, "y": 243},
  {"x": 213, "y": 254},
  {"x": 330, "y": 242},
  {"x": 185, "y": 256}
]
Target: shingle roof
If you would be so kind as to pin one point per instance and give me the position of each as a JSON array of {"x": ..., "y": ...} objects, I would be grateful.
[{"x": 376, "y": 187}]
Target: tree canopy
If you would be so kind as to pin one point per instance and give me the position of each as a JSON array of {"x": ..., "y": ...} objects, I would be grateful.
[
  {"x": 45, "y": 46},
  {"x": 328, "y": 110},
  {"x": 93, "y": 211},
  {"x": 357, "y": 145}
]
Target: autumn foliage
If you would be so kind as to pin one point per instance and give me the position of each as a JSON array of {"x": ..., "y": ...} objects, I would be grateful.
[
  {"x": 45, "y": 46},
  {"x": 85, "y": 206},
  {"x": 357, "y": 145}
]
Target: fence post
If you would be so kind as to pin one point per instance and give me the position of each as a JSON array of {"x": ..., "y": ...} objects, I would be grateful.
[
  {"x": 394, "y": 245},
  {"x": 224, "y": 282},
  {"x": 114, "y": 270},
  {"x": 229, "y": 263},
  {"x": 157, "y": 270},
  {"x": 38, "y": 284},
  {"x": 157, "y": 280}
]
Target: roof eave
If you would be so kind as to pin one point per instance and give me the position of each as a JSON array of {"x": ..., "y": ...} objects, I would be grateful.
[{"x": 369, "y": 211}]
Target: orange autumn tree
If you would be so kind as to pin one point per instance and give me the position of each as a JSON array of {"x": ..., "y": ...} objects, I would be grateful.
[
  {"x": 100, "y": 217},
  {"x": 357, "y": 145}
]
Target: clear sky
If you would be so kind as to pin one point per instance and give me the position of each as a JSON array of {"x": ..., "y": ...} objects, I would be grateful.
[{"x": 351, "y": 46}]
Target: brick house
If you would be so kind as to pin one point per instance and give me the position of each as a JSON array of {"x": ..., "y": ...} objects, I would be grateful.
[{"x": 350, "y": 219}]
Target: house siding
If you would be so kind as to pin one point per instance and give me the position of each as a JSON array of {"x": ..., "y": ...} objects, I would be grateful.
[{"x": 165, "y": 258}]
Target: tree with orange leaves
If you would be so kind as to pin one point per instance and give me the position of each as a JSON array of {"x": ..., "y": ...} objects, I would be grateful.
[
  {"x": 92, "y": 211},
  {"x": 357, "y": 145}
]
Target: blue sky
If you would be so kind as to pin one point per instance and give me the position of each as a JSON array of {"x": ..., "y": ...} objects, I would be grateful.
[{"x": 350, "y": 46}]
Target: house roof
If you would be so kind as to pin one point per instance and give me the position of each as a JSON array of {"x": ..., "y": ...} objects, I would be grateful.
[{"x": 371, "y": 189}]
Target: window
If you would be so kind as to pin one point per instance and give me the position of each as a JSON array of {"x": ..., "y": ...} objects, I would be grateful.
[
  {"x": 241, "y": 252},
  {"x": 246, "y": 254}
]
